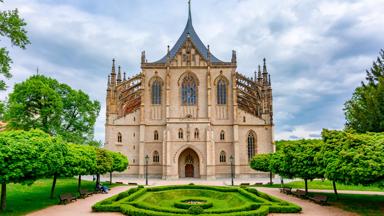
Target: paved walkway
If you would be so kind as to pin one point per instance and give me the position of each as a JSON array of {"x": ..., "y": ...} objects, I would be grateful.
[{"x": 83, "y": 206}]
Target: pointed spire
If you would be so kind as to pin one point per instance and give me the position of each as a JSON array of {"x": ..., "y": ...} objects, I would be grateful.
[
  {"x": 119, "y": 75},
  {"x": 265, "y": 73},
  {"x": 259, "y": 77},
  {"x": 124, "y": 76},
  {"x": 269, "y": 79},
  {"x": 113, "y": 73},
  {"x": 209, "y": 54},
  {"x": 189, "y": 12},
  {"x": 113, "y": 66},
  {"x": 109, "y": 81},
  {"x": 234, "y": 58},
  {"x": 255, "y": 76}
]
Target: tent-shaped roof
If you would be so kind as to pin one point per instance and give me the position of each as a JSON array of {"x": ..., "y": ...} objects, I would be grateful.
[{"x": 190, "y": 31}]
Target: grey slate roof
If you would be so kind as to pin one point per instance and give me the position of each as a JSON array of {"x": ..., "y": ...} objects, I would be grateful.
[{"x": 195, "y": 40}]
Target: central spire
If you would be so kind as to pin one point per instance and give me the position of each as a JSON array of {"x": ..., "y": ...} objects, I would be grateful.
[
  {"x": 189, "y": 33},
  {"x": 189, "y": 12}
]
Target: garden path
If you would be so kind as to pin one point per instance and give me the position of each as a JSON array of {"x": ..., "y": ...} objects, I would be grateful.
[
  {"x": 81, "y": 206},
  {"x": 309, "y": 208}
]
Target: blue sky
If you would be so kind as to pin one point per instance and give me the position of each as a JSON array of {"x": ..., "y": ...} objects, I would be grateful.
[{"x": 317, "y": 50}]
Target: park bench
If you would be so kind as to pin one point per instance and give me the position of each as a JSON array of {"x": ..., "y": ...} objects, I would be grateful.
[
  {"x": 258, "y": 183},
  {"x": 85, "y": 193},
  {"x": 244, "y": 184},
  {"x": 300, "y": 193},
  {"x": 321, "y": 199},
  {"x": 119, "y": 182},
  {"x": 66, "y": 198},
  {"x": 286, "y": 190},
  {"x": 132, "y": 183}
]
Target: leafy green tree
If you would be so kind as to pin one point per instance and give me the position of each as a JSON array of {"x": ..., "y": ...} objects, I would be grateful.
[
  {"x": 26, "y": 156},
  {"x": 364, "y": 112},
  {"x": 353, "y": 158},
  {"x": 296, "y": 159},
  {"x": 104, "y": 163},
  {"x": 262, "y": 162},
  {"x": 119, "y": 163},
  {"x": 44, "y": 103},
  {"x": 80, "y": 160},
  {"x": 13, "y": 28}
]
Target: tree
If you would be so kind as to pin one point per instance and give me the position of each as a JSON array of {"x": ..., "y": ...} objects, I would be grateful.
[
  {"x": 296, "y": 159},
  {"x": 364, "y": 112},
  {"x": 13, "y": 28},
  {"x": 80, "y": 160},
  {"x": 104, "y": 163},
  {"x": 353, "y": 158},
  {"x": 262, "y": 162},
  {"x": 119, "y": 163},
  {"x": 44, "y": 103},
  {"x": 24, "y": 157}
]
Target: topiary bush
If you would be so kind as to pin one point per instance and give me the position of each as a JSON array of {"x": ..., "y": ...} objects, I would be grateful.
[{"x": 209, "y": 201}]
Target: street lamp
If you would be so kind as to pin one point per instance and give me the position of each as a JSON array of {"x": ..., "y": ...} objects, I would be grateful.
[
  {"x": 146, "y": 169},
  {"x": 232, "y": 171}
]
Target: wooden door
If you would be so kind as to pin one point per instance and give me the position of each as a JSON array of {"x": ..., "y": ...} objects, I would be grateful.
[{"x": 189, "y": 171}]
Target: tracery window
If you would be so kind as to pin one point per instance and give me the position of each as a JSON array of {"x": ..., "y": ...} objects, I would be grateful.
[
  {"x": 181, "y": 133},
  {"x": 251, "y": 146},
  {"x": 189, "y": 90},
  {"x": 223, "y": 157},
  {"x": 196, "y": 133},
  {"x": 189, "y": 159},
  {"x": 119, "y": 137},
  {"x": 221, "y": 92},
  {"x": 156, "y": 135},
  {"x": 222, "y": 135},
  {"x": 156, "y": 157},
  {"x": 156, "y": 92}
]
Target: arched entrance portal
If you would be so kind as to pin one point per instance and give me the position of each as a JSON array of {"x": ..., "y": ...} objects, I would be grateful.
[{"x": 189, "y": 165}]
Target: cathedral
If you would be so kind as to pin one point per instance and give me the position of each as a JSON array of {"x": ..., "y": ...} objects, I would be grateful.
[{"x": 189, "y": 114}]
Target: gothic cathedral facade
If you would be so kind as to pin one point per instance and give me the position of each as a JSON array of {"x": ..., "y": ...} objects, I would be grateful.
[{"x": 189, "y": 114}]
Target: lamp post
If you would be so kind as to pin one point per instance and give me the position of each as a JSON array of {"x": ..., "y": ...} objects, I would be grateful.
[
  {"x": 232, "y": 171},
  {"x": 146, "y": 169}
]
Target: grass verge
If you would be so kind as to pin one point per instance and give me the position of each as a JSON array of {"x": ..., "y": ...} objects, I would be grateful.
[{"x": 23, "y": 199}]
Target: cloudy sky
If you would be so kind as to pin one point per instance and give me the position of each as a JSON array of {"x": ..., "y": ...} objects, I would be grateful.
[{"x": 316, "y": 50}]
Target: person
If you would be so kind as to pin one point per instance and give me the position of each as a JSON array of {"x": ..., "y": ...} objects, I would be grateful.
[{"x": 102, "y": 188}]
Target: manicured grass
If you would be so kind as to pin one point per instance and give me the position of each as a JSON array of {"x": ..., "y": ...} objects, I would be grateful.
[
  {"x": 22, "y": 199},
  {"x": 327, "y": 185},
  {"x": 367, "y": 205},
  {"x": 216, "y": 200}
]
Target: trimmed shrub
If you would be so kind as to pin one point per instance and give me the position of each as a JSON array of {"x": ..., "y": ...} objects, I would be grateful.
[{"x": 195, "y": 210}]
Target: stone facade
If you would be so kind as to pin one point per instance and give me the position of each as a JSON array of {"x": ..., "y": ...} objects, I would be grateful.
[{"x": 189, "y": 112}]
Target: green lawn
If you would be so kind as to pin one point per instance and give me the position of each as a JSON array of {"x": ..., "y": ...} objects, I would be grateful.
[
  {"x": 22, "y": 199},
  {"x": 327, "y": 185},
  {"x": 367, "y": 205}
]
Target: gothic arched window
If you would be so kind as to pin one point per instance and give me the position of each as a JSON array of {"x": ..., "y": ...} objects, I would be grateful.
[
  {"x": 251, "y": 146},
  {"x": 119, "y": 137},
  {"x": 180, "y": 133},
  {"x": 156, "y": 92},
  {"x": 222, "y": 135},
  {"x": 156, "y": 135},
  {"x": 189, "y": 90},
  {"x": 156, "y": 157},
  {"x": 223, "y": 157},
  {"x": 196, "y": 133},
  {"x": 221, "y": 92}
]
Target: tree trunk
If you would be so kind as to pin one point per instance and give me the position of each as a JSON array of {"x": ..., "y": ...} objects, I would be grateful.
[
  {"x": 97, "y": 180},
  {"x": 306, "y": 185},
  {"x": 3, "y": 196},
  {"x": 270, "y": 178},
  {"x": 79, "y": 184},
  {"x": 110, "y": 178},
  {"x": 282, "y": 182},
  {"x": 334, "y": 189},
  {"x": 53, "y": 186}
]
